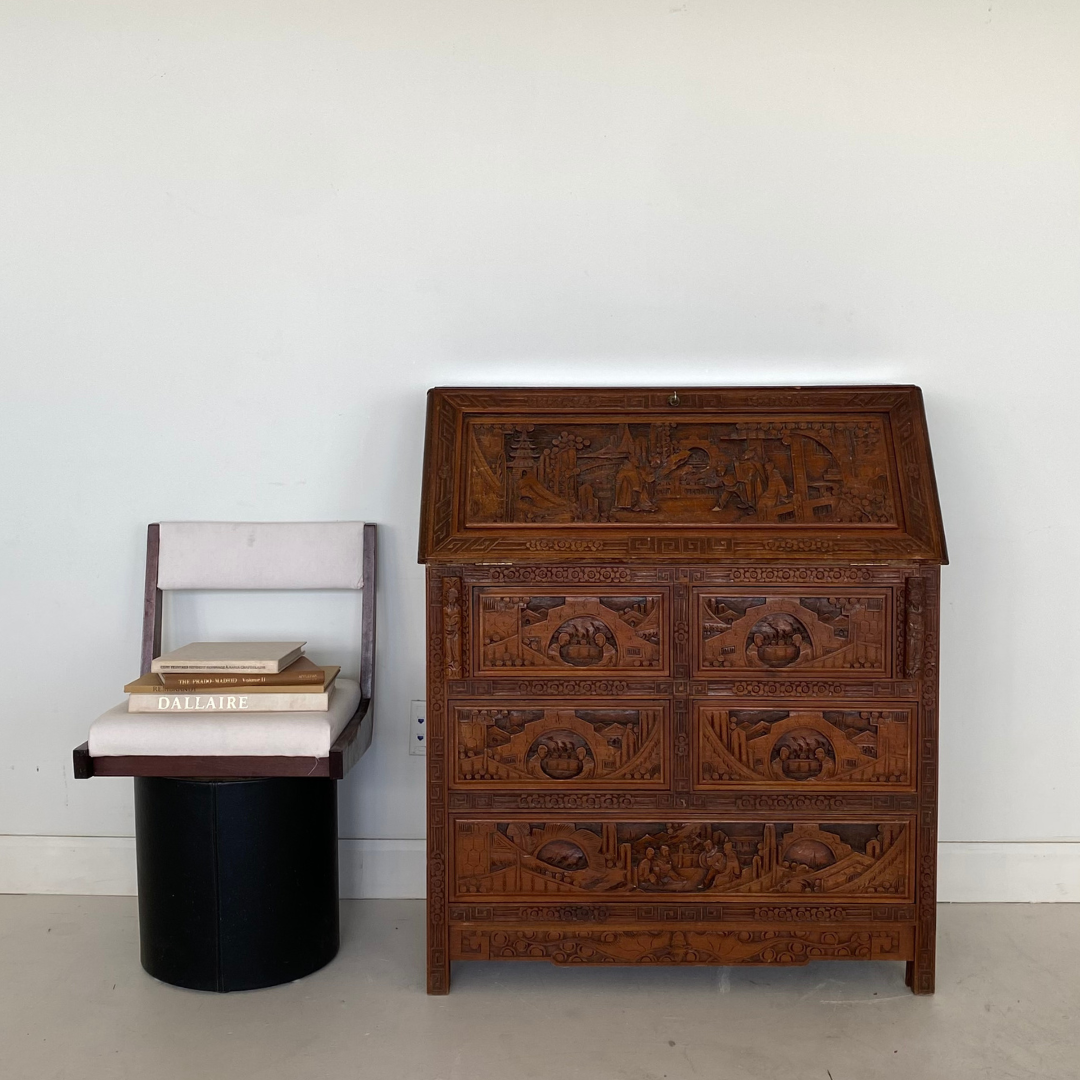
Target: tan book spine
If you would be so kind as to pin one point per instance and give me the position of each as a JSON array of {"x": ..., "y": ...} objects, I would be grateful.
[
  {"x": 153, "y": 684},
  {"x": 209, "y": 680},
  {"x": 239, "y": 667}
]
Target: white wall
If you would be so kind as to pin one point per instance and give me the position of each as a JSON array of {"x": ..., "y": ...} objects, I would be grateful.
[{"x": 241, "y": 239}]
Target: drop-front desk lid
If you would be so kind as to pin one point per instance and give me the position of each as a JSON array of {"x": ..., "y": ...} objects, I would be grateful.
[{"x": 821, "y": 473}]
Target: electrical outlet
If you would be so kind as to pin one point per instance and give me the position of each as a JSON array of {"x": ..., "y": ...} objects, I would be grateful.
[{"x": 418, "y": 728}]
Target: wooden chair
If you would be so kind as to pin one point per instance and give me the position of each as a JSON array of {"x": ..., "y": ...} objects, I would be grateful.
[
  {"x": 236, "y": 814},
  {"x": 203, "y": 541}
]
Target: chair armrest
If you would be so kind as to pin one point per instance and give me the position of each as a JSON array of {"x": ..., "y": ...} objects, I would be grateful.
[
  {"x": 349, "y": 746},
  {"x": 82, "y": 761}
]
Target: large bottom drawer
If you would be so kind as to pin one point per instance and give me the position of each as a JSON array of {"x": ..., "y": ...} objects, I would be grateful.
[
  {"x": 684, "y": 945},
  {"x": 692, "y": 859}
]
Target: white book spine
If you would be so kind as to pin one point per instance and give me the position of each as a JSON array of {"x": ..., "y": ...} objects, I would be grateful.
[
  {"x": 245, "y": 667},
  {"x": 228, "y": 702}
]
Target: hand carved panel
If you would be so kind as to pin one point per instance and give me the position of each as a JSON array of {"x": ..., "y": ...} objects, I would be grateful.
[
  {"x": 570, "y": 632},
  {"x": 704, "y": 859},
  {"x": 758, "y": 471},
  {"x": 794, "y": 632},
  {"x": 682, "y": 946},
  {"x": 811, "y": 747},
  {"x": 545, "y": 746}
]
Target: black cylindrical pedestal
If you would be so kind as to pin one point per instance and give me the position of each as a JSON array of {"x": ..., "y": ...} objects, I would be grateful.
[{"x": 238, "y": 880}]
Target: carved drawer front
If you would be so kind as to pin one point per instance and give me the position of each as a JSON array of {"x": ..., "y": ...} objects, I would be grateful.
[
  {"x": 811, "y": 746},
  {"x": 596, "y": 630},
  {"x": 793, "y": 633},
  {"x": 702, "y": 860},
  {"x": 686, "y": 945},
  {"x": 544, "y": 745}
]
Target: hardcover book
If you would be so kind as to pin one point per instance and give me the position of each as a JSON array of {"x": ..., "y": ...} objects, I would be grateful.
[
  {"x": 240, "y": 701},
  {"x": 156, "y": 684},
  {"x": 248, "y": 657},
  {"x": 300, "y": 672}
]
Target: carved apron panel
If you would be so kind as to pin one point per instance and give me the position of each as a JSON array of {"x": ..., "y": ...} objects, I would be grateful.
[{"x": 681, "y": 946}]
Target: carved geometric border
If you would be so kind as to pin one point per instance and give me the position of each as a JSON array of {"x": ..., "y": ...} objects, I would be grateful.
[
  {"x": 799, "y": 911},
  {"x": 438, "y": 980},
  {"x": 823, "y": 805},
  {"x": 576, "y": 573},
  {"x": 794, "y": 690},
  {"x": 519, "y": 686},
  {"x": 923, "y": 969}
]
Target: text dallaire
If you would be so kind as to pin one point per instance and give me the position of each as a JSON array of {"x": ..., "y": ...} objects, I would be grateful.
[{"x": 211, "y": 702}]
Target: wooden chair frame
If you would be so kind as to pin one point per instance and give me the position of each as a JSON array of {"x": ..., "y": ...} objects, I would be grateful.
[{"x": 344, "y": 753}]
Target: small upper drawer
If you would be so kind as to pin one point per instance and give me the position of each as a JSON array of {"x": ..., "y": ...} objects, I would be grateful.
[
  {"x": 538, "y": 745},
  {"x": 565, "y": 630},
  {"x": 794, "y": 630}
]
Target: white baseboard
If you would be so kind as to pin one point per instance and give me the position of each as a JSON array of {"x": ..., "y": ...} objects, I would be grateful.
[
  {"x": 91, "y": 865},
  {"x": 105, "y": 866},
  {"x": 1012, "y": 873},
  {"x": 394, "y": 869},
  {"x": 1009, "y": 873}
]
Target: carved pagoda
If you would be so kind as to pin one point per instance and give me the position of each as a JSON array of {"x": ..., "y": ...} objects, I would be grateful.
[{"x": 682, "y": 678}]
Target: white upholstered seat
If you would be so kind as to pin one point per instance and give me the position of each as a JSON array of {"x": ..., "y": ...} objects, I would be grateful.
[{"x": 119, "y": 733}]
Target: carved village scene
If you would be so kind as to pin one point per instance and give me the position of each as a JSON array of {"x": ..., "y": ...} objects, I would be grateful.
[
  {"x": 568, "y": 632},
  {"x": 808, "y": 746},
  {"x": 774, "y": 472},
  {"x": 817, "y": 633},
  {"x": 560, "y": 744},
  {"x": 528, "y": 858}
]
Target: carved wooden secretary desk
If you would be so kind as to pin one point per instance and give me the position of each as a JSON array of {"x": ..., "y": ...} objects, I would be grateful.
[{"x": 682, "y": 682}]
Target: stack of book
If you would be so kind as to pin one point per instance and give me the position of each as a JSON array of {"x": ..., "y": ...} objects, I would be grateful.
[{"x": 234, "y": 676}]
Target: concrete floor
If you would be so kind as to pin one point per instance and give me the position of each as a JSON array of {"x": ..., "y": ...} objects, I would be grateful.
[{"x": 75, "y": 1003}]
